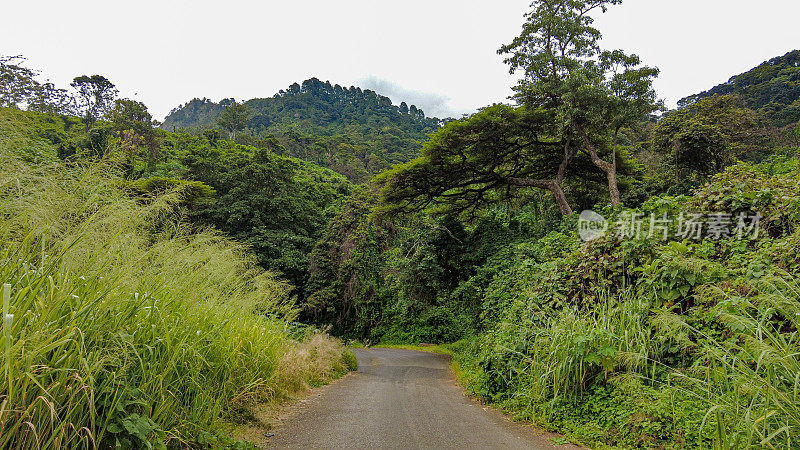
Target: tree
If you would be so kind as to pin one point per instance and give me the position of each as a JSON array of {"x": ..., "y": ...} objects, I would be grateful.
[
  {"x": 17, "y": 83},
  {"x": 277, "y": 206},
  {"x": 94, "y": 97},
  {"x": 136, "y": 128},
  {"x": 486, "y": 158},
  {"x": 235, "y": 117},
  {"x": 593, "y": 93},
  {"x": 51, "y": 100},
  {"x": 19, "y": 89},
  {"x": 344, "y": 265},
  {"x": 706, "y": 136}
]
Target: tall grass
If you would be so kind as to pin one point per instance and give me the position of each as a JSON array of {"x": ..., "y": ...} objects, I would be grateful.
[
  {"x": 566, "y": 350},
  {"x": 750, "y": 376},
  {"x": 129, "y": 329},
  {"x": 742, "y": 391}
]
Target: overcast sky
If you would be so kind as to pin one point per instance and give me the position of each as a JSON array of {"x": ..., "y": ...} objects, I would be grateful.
[{"x": 437, "y": 54}]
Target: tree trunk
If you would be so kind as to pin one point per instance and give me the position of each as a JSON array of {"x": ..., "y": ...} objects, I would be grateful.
[
  {"x": 561, "y": 199},
  {"x": 551, "y": 185},
  {"x": 610, "y": 169},
  {"x": 613, "y": 187},
  {"x": 554, "y": 186}
]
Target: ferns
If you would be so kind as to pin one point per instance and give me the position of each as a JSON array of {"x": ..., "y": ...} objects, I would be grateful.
[{"x": 756, "y": 381}]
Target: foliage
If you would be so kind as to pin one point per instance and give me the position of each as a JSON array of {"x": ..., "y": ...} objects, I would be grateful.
[
  {"x": 124, "y": 328},
  {"x": 352, "y": 131},
  {"x": 592, "y": 94},
  {"x": 344, "y": 267},
  {"x": 642, "y": 344},
  {"x": 491, "y": 157},
  {"x": 635, "y": 343},
  {"x": 772, "y": 89},
  {"x": 19, "y": 88},
  {"x": 233, "y": 118},
  {"x": 94, "y": 97},
  {"x": 706, "y": 136},
  {"x": 749, "y": 371},
  {"x": 276, "y": 205},
  {"x": 135, "y": 129}
]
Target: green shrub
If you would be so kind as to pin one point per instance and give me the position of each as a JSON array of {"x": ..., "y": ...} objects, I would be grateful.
[
  {"x": 349, "y": 360},
  {"x": 748, "y": 375}
]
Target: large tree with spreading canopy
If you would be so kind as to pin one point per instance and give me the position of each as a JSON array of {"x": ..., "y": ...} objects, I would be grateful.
[
  {"x": 592, "y": 93},
  {"x": 574, "y": 99},
  {"x": 486, "y": 158}
]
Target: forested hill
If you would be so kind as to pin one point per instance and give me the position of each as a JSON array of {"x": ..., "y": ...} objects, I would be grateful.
[
  {"x": 352, "y": 131},
  {"x": 772, "y": 89}
]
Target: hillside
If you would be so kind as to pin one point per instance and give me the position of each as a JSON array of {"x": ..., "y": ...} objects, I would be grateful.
[
  {"x": 124, "y": 327},
  {"x": 595, "y": 266},
  {"x": 772, "y": 89},
  {"x": 352, "y": 131}
]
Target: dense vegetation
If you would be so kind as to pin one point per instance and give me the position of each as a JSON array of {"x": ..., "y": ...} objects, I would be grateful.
[
  {"x": 355, "y": 132},
  {"x": 632, "y": 340},
  {"x": 772, "y": 89},
  {"x": 276, "y": 205},
  {"x": 391, "y": 227},
  {"x": 124, "y": 326}
]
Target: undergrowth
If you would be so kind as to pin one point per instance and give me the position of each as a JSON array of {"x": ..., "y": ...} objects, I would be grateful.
[{"x": 123, "y": 327}]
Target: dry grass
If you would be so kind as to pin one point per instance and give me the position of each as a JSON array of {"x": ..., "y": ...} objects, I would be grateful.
[{"x": 315, "y": 362}]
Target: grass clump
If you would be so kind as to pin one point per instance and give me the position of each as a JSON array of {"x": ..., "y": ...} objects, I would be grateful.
[{"x": 124, "y": 328}]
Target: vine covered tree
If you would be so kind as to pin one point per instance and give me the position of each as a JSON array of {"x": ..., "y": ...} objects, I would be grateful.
[
  {"x": 593, "y": 93},
  {"x": 136, "y": 129},
  {"x": 706, "y": 136}
]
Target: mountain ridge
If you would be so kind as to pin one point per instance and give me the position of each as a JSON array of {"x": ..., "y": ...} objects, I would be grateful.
[
  {"x": 772, "y": 88},
  {"x": 356, "y": 132}
]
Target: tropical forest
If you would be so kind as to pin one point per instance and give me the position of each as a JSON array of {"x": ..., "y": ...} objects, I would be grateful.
[{"x": 585, "y": 259}]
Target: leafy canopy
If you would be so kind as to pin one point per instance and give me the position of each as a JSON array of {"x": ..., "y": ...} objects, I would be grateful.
[
  {"x": 593, "y": 93},
  {"x": 574, "y": 98},
  {"x": 20, "y": 89},
  {"x": 706, "y": 136},
  {"x": 94, "y": 97},
  {"x": 493, "y": 156},
  {"x": 234, "y": 118}
]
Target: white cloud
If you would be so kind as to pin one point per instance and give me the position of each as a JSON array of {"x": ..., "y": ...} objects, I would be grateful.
[{"x": 434, "y": 105}]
